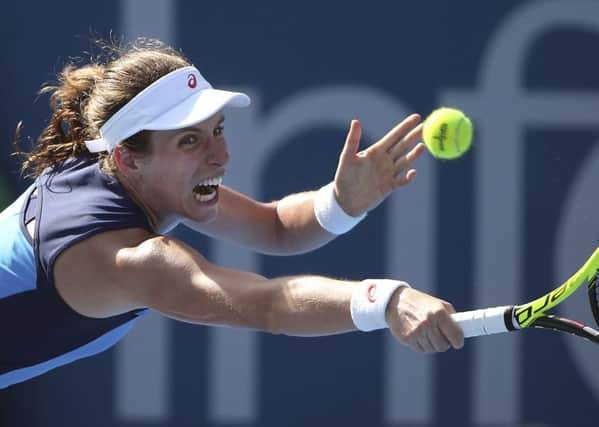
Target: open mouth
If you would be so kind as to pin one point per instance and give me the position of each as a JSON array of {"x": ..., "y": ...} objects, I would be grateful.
[{"x": 207, "y": 190}]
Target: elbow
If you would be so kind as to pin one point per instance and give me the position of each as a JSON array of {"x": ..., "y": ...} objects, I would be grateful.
[
  {"x": 279, "y": 317},
  {"x": 260, "y": 307},
  {"x": 287, "y": 240},
  {"x": 282, "y": 244},
  {"x": 271, "y": 319}
]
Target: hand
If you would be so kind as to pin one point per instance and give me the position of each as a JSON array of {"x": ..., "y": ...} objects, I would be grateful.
[
  {"x": 423, "y": 322},
  {"x": 365, "y": 178}
]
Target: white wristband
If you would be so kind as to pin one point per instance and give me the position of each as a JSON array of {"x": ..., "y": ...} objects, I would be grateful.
[
  {"x": 330, "y": 215},
  {"x": 369, "y": 302}
]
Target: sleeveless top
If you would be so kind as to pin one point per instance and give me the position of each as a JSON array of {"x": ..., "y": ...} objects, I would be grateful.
[{"x": 38, "y": 330}]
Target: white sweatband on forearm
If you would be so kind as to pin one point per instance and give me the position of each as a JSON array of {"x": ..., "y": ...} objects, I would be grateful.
[
  {"x": 369, "y": 303},
  {"x": 330, "y": 215}
]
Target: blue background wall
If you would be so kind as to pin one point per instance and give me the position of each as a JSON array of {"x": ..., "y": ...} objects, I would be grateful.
[{"x": 504, "y": 223}]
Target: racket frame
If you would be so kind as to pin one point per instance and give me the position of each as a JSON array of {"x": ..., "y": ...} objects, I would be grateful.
[{"x": 533, "y": 314}]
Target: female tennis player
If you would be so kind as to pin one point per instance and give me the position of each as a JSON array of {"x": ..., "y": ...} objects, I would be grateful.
[{"x": 134, "y": 146}]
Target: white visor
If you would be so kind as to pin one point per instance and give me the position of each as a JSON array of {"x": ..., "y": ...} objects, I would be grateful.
[{"x": 179, "y": 99}]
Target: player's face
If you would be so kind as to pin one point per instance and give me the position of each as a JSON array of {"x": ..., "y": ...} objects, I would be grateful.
[{"x": 182, "y": 175}]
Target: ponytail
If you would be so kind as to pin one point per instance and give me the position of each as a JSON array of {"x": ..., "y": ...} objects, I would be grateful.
[{"x": 64, "y": 136}]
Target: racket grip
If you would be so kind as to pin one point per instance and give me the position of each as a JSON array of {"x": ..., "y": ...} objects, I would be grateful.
[{"x": 485, "y": 321}]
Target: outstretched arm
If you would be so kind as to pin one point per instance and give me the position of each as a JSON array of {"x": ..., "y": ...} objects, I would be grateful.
[
  {"x": 133, "y": 269},
  {"x": 362, "y": 181}
]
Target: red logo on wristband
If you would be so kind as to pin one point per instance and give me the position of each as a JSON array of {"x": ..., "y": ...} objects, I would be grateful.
[{"x": 371, "y": 292}]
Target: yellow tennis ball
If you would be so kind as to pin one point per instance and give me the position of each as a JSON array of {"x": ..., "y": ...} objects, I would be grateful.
[{"x": 447, "y": 133}]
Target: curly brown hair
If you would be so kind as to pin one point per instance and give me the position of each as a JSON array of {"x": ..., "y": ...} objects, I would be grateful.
[{"x": 85, "y": 97}]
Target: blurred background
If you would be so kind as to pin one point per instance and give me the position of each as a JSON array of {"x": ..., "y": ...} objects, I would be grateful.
[{"x": 508, "y": 221}]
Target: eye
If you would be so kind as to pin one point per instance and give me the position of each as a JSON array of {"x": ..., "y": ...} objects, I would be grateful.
[
  {"x": 188, "y": 140},
  {"x": 219, "y": 130}
]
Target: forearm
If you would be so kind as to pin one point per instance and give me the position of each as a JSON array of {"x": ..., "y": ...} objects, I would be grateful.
[
  {"x": 318, "y": 216},
  {"x": 297, "y": 227},
  {"x": 310, "y": 306}
]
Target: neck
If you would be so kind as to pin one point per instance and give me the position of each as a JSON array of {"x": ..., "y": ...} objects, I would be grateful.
[{"x": 130, "y": 188}]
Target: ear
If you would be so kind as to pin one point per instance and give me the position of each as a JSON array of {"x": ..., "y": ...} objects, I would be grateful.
[{"x": 126, "y": 161}]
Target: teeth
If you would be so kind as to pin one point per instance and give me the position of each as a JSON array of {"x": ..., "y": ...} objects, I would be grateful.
[
  {"x": 212, "y": 181},
  {"x": 205, "y": 197}
]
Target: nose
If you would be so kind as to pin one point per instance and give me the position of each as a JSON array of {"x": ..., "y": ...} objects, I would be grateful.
[{"x": 219, "y": 154}]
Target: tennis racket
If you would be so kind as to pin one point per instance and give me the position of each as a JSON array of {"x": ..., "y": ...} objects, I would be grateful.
[{"x": 509, "y": 318}]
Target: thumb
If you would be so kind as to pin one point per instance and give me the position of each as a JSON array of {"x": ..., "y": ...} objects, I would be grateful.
[{"x": 352, "y": 142}]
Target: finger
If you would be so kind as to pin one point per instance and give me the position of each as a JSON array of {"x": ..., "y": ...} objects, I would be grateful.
[
  {"x": 452, "y": 331},
  {"x": 438, "y": 340},
  {"x": 410, "y": 157},
  {"x": 398, "y": 132},
  {"x": 402, "y": 146},
  {"x": 352, "y": 141},
  {"x": 400, "y": 179},
  {"x": 448, "y": 307},
  {"x": 417, "y": 347},
  {"x": 411, "y": 342},
  {"x": 425, "y": 343}
]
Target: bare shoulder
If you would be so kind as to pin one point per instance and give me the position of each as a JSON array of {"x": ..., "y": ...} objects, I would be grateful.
[
  {"x": 91, "y": 276},
  {"x": 115, "y": 272}
]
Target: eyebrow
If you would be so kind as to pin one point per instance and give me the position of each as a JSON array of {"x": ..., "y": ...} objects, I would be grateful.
[{"x": 196, "y": 128}]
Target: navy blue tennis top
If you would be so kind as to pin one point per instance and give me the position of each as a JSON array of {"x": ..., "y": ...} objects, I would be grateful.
[{"x": 38, "y": 330}]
